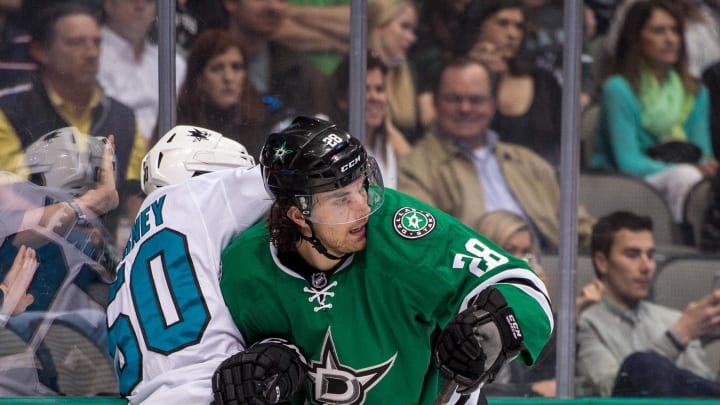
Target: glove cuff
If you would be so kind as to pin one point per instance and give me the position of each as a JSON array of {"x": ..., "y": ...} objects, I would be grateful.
[
  {"x": 285, "y": 343},
  {"x": 492, "y": 301}
]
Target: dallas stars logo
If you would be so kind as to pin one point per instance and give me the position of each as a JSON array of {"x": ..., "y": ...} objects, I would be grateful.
[
  {"x": 411, "y": 223},
  {"x": 336, "y": 383},
  {"x": 281, "y": 153}
]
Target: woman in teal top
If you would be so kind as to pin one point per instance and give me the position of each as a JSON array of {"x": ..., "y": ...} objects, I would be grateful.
[{"x": 652, "y": 100}]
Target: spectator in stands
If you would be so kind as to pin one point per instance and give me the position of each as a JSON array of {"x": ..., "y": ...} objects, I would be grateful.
[
  {"x": 437, "y": 34},
  {"x": 545, "y": 40},
  {"x": 512, "y": 233},
  {"x": 711, "y": 79},
  {"x": 391, "y": 32},
  {"x": 318, "y": 28},
  {"x": 628, "y": 346},
  {"x": 15, "y": 59},
  {"x": 64, "y": 92},
  {"x": 217, "y": 93},
  {"x": 528, "y": 100},
  {"x": 654, "y": 118},
  {"x": 461, "y": 167},
  {"x": 603, "y": 11},
  {"x": 701, "y": 33},
  {"x": 288, "y": 83},
  {"x": 129, "y": 62},
  {"x": 384, "y": 141}
]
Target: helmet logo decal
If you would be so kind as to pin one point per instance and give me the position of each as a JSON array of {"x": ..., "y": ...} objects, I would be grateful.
[
  {"x": 411, "y": 223},
  {"x": 199, "y": 135},
  {"x": 281, "y": 153},
  {"x": 52, "y": 135},
  {"x": 350, "y": 164},
  {"x": 332, "y": 140}
]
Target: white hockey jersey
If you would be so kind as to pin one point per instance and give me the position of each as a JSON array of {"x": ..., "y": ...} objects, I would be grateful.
[
  {"x": 70, "y": 263},
  {"x": 168, "y": 326}
]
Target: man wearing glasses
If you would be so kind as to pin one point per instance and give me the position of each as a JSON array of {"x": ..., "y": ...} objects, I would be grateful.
[{"x": 462, "y": 167}]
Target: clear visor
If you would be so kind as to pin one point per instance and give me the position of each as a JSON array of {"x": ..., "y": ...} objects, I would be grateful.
[{"x": 354, "y": 202}]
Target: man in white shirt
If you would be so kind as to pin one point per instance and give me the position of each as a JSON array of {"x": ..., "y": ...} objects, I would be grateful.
[{"x": 129, "y": 62}]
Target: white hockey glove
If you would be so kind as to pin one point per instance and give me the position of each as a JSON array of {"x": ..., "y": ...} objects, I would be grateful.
[
  {"x": 268, "y": 372},
  {"x": 479, "y": 341}
]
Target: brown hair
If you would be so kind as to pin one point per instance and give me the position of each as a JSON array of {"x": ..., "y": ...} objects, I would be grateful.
[
  {"x": 284, "y": 233},
  {"x": 192, "y": 102},
  {"x": 628, "y": 58},
  {"x": 604, "y": 230},
  {"x": 471, "y": 25}
]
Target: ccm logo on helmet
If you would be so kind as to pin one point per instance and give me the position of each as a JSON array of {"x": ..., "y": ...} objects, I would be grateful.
[{"x": 349, "y": 165}]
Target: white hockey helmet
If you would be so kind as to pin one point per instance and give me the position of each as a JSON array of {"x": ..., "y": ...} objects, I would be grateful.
[
  {"x": 66, "y": 159},
  {"x": 187, "y": 151}
]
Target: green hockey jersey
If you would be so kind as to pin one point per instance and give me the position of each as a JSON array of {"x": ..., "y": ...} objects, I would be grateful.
[{"x": 367, "y": 332}]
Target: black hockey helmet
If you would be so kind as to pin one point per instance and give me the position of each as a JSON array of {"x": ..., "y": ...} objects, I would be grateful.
[{"x": 313, "y": 156}]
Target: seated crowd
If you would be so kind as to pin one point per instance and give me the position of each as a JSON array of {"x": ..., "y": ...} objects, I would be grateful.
[{"x": 462, "y": 109}]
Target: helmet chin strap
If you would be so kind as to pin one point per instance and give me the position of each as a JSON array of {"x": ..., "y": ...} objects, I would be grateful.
[{"x": 315, "y": 242}]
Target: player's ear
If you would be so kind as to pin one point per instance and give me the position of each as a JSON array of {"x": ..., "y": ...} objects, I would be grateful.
[{"x": 296, "y": 216}]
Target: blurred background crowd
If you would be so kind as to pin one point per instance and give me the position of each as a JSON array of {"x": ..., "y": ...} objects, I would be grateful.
[{"x": 462, "y": 110}]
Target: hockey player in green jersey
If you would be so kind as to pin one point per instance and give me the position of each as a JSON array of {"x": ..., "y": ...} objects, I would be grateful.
[{"x": 353, "y": 294}]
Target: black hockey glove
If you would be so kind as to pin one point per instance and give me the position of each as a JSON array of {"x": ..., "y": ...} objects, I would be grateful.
[
  {"x": 479, "y": 341},
  {"x": 268, "y": 372}
]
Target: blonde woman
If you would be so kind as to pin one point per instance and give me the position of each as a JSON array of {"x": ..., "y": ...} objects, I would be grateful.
[
  {"x": 391, "y": 32},
  {"x": 513, "y": 233}
]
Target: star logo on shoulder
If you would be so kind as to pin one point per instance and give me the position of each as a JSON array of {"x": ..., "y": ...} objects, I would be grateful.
[
  {"x": 281, "y": 153},
  {"x": 339, "y": 384},
  {"x": 411, "y": 223},
  {"x": 199, "y": 135}
]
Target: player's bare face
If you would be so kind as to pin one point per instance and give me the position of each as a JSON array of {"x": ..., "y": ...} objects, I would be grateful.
[{"x": 342, "y": 218}]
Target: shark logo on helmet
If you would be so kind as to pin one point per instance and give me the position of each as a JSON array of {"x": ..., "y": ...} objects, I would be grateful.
[{"x": 199, "y": 135}]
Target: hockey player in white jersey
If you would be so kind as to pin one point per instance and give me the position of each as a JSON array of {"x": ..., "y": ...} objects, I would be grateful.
[
  {"x": 168, "y": 326},
  {"x": 56, "y": 215}
]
